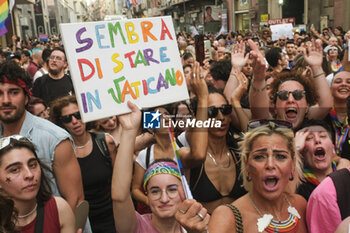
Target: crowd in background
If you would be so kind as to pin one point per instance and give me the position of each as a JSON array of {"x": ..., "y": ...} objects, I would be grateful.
[{"x": 279, "y": 162}]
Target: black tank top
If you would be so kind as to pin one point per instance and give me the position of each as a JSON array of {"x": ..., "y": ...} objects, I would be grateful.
[{"x": 96, "y": 173}]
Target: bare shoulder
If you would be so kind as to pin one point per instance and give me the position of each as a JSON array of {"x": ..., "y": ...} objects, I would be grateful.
[
  {"x": 109, "y": 138},
  {"x": 297, "y": 200},
  {"x": 222, "y": 220},
  {"x": 62, "y": 205}
]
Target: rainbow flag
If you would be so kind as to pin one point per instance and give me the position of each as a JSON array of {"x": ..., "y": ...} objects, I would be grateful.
[{"x": 4, "y": 19}]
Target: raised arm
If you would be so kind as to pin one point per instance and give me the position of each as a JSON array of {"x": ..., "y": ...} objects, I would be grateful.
[
  {"x": 199, "y": 136},
  {"x": 67, "y": 172},
  {"x": 258, "y": 98},
  {"x": 238, "y": 60},
  {"x": 123, "y": 207},
  {"x": 325, "y": 102},
  {"x": 236, "y": 96}
]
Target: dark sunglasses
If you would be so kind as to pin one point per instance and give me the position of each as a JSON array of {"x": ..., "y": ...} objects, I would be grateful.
[
  {"x": 225, "y": 109},
  {"x": 277, "y": 123},
  {"x": 297, "y": 94},
  {"x": 68, "y": 118}
]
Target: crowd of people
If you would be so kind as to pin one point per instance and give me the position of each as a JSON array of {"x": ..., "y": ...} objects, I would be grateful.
[{"x": 279, "y": 162}]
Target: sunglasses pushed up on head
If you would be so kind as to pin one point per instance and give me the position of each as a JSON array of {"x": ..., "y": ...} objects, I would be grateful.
[{"x": 272, "y": 122}]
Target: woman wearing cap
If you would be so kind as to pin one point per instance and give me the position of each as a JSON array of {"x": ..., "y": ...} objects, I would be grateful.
[
  {"x": 269, "y": 164},
  {"x": 22, "y": 179},
  {"x": 161, "y": 182}
]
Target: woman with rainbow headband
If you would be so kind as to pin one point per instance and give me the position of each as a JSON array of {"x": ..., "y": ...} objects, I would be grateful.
[{"x": 161, "y": 182}]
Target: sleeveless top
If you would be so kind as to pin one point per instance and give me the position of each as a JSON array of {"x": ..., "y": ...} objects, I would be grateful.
[
  {"x": 51, "y": 220},
  {"x": 205, "y": 190},
  {"x": 96, "y": 172}
]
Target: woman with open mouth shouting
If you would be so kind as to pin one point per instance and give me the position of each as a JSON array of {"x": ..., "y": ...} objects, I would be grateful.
[{"x": 270, "y": 163}]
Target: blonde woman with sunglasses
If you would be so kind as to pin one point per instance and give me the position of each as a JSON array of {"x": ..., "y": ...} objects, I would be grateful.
[{"x": 269, "y": 164}]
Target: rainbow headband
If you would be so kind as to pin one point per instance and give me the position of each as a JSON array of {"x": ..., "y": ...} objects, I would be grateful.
[
  {"x": 19, "y": 82},
  {"x": 161, "y": 168}
]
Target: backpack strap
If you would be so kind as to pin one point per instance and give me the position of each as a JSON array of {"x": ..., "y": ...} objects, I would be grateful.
[
  {"x": 39, "y": 225},
  {"x": 341, "y": 179},
  {"x": 178, "y": 142},
  {"x": 148, "y": 155},
  {"x": 100, "y": 139},
  {"x": 238, "y": 218}
]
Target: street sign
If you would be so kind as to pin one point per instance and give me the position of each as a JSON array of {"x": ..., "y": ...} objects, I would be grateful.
[
  {"x": 264, "y": 18},
  {"x": 281, "y": 21}
]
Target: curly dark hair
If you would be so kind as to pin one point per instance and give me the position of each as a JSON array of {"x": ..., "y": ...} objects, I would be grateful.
[
  {"x": 8, "y": 215},
  {"x": 220, "y": 70},
  {"x": 44, "y": 193},
  {"x": 309, "y": 86},
  {"x": 56, "y": 107},
  {"x": 13, "y": 72}
]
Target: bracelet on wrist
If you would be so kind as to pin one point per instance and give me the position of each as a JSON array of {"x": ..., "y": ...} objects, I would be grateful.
[
  {"x": 257, "y": 89},
  {"x": 318, "y": 75}
]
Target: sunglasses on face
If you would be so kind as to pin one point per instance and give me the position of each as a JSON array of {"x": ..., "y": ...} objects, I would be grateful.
[
  {"x": 277, "y": 123},
  {"x": 225, "y": 109},
  {"x": 68, "y": 118},
  {"x": 5, "y": 141},
  {"x": 297, "y": 94}
]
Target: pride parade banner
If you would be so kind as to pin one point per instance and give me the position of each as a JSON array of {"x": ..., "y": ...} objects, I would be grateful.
[{"x": 112, "y": 62}]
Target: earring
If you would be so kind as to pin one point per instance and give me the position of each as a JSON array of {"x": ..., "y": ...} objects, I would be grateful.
[
  {"x": 291, "y": 178},
  {"x": 248, "y": 178}
]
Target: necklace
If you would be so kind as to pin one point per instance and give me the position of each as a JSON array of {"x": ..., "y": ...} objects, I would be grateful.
[
  {"x": 218, "y": 164},
  {"x": 30, "y": 213},
  {"x": 80, "y": 147},
  {"x": 268, "y": 224}
]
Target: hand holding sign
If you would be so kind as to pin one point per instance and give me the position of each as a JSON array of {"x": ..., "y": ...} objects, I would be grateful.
[{"x": 112, "y": 62}]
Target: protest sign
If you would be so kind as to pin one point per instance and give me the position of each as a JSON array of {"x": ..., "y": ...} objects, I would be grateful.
[
  {"x": 282, "y": 30},
  {"x": 112, "y": 62}
]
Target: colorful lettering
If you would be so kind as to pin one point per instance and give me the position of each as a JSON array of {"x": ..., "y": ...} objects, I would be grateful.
[
  {"x": 127, "y": 90},
  {"x": 128, "y": 55},
  {"x": 179, "y": 77},
  {"x": 148, "y": 55},
  {"x": 113, "y": 29},
  {"x": 83, "y": 100},
  {"x": 151, "y": 90},
  {"x": 86, "y": 62},
  {"x": 161, "y": 83},
  {"x": 99, "y": 71},
  {"x": 146, "y": 26},
  {"x": 116, "y": 84},
  {"x": 164, "y": 31},
  {"x": 145, "y": 89},
  {"x": 130, "y": 31},
  {"x": 136, "y": 86},
  {"x": 120, "y": 64},
  {"x": 99, "y": 37},
  {"x": 163, "y": 57},
  {"x": 170, "y": 77},
  {"x": 140, "y": 59},
  {"x": 95, "y": 99},
  {"x": 89, "y": 42}
]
